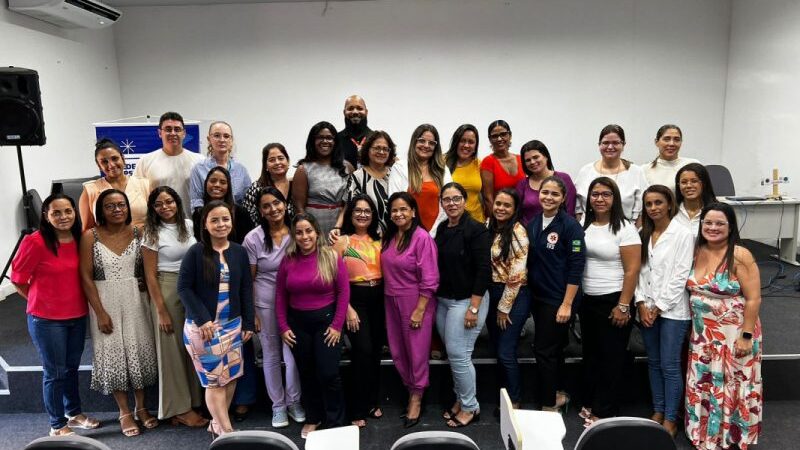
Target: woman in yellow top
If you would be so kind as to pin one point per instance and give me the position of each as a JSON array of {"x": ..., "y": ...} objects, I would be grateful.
[
  {"x": 462, "y": 160},
  {"x": 360, "y": 247}
]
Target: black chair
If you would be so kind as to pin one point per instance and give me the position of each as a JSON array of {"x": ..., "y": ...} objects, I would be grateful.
[
  {"x": 252, "y": 440},
  {"x": 625, "y": 433},
  {"x": 721, "y": 179},
  {"x": 73, "y": 442},
  {"x": 435, "y": 440}
]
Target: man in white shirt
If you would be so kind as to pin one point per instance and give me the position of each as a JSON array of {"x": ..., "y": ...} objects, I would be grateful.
[{"x": 171, "y": 165}]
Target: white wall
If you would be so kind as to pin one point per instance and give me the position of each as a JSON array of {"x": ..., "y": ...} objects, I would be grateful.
[
  {"x": 557, "y": 71},
  {"x": 761, "y": 110},
  {"x": 79, "y": 81}
]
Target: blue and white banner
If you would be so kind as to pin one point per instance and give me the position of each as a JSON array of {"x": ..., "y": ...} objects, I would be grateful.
[{"x": 137, "y": 137}]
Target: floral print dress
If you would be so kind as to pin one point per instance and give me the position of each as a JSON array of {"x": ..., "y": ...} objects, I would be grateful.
[{"x": 723, "y": 393}]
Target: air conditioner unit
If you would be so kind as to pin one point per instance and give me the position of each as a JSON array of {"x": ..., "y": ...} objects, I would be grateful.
[{"x": 68, "y": 13}]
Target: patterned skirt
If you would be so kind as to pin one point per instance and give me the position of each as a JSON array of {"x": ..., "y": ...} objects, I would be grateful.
[{"x": 218, "y": 361}]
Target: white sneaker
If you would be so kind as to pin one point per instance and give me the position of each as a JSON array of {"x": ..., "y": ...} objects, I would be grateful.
[
  {"x": 280, "y": 419},
  {"x": 297, "y": 413}
]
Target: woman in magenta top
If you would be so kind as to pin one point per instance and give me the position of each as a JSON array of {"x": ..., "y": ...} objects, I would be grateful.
[
  {"x": 501, "y": 169},
  {"x": 45, "y": 273},
  {"x": 410, "y": 277},
  {"x": 538, "y": 166},
  {"x": 311, "y": 299}
]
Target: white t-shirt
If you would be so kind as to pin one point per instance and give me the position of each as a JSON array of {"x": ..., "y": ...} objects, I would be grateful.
[
  {"x": 170, "y": 250},
  {"x": 664, "y": 172},
  {"x": 603, "y": 273},
  {"x": 173, "y": 171},
  {"x": 547, "y": 221},
  {"x": 631, "y": 184}
]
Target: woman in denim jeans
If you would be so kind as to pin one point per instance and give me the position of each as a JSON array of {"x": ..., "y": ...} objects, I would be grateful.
[
  {"x": 464, "y": 274},
  {"x": 663, "y": 301},
  {"x": 509, "y": 298},
  {"x": 45, "y": 273}
]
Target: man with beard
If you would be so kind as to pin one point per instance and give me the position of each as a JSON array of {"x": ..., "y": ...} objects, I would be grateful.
[
  {"x": 355, "y": 128},
  {"x": 172, "y": 164}
]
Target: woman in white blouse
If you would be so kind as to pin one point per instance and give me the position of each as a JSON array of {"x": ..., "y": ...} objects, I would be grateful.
[
  {"x": 663, "y": 301},
  {"x": 628, "y": 177},
  {"x": 662, "y": 170},
  {"x": 693, "y": 191},
  {"x": 609, "y": 279}
]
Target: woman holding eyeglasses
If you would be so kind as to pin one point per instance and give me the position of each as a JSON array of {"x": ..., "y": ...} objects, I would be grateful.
[
  {"x": 110, "y": 160},
  {"x": 320, "y": 183},
  {"x": 411, "y": 276},
  {"x": 274, "y": 173},
  {"x": 693, "y": 191},
  {"x": 462, "y": 299},
  {"x": 220, "y": 154},
  {"x": 663, "y": 302},
  {"x": 613, "y": 250},
  {"x": 538, "y": 165},
  {"x": 629, "y": 178},
  {"x": 122, "y": 333},
  {"x": 167, "y": 238},
  {"x": 665, "y": 166},
  {"x": 723, "y": 385},
  {"x": 462, "y": 160},
  {"x": 501, "y": 169},
  {"x": 360, "y": 247},
  {"x": 311, "y": 299},
  {"x": 424, "y": 176}
]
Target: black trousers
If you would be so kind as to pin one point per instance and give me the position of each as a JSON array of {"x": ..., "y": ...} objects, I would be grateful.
[
  {"x": 318, "y": 364},
  {"x": 365, "y": 353},
  {"x": 605, "y": 351},
  {"x": 549, "y": 341}
]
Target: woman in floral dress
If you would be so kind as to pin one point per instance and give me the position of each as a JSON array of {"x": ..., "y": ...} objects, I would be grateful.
[{"x": 723, "y": 387}]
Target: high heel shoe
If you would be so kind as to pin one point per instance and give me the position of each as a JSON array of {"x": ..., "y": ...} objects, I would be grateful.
[{"x": 214, "y": 429}]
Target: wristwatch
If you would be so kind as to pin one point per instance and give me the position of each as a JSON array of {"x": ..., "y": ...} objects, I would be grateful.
[
  {"x": 623, "y": 308},
  {"x": 747, "y": 335},
  {"x": 473, "y": 310}
]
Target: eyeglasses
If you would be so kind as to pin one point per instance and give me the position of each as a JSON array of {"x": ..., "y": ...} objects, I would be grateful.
[
  {"x": 171, "y": 130},
  {"x": 362, "y": 212},
  {"x": 605, "y": 195},
  {"x": 610, "y": 143},
  {"x": 122, "y": 206},
  {"x": 456, "y": 199},
  {"x": 324, "y": 138},
  {"x": 714, "y": 224},
  {"x": 164, "y": 204},
  {"x": 423, "y": 141},
  {"x": 500, "y": 135},
  {"x": 380, "y": 149},
  {"x": 221, "y": 136}
]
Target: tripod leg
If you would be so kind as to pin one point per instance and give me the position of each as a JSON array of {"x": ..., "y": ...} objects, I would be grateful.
[{"x": 22, "y": 235}]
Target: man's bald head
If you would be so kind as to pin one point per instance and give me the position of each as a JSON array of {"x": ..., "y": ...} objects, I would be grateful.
[{"x": 355, "y": 110}]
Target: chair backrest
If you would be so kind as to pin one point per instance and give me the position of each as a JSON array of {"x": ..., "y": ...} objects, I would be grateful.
[
  {"x": 721, "y": 179},
  {"x": 73, "y": 442},
  {"x": 435, "y": 440},
  {"x": 625, "y": 433},
  {"x": 252, "y": 440}
]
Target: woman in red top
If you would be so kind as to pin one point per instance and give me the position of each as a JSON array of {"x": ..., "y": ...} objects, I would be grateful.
[
  {"x": 45, "y": 273},
  {"x": 501, "y": 169}
]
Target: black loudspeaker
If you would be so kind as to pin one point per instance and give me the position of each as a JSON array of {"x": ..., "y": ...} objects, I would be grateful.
[{"x": 21, "y": 121}]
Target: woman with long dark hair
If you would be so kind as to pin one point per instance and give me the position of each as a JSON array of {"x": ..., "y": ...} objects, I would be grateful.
[
  {"x": 216, "y": 288},
  {"x": 45, "y": 273},
  {"x": 663, "y": 302},
  {"x": 662, "y": 170},
  {"x": 411, "y": 276},
  {"x": 693, "y": 191},
  {"x": 275, "y": 173},
  {"x": 266, "y": 246},
  {"x": 612, "y": 269},
  {"x": 320, "y": 182},
  {"x": 502, "y": 169},
  {"x": 538, "y": 165},
  {"x": 463, "y": 162},
  {"x": 122, "y": 332},
  {"x": 218, "y": 187},
  {"x": 167, "y": 238},
  {"x": 311, "y": 298},
  {"x": 723, "y": 386},
  {"x": 360, "y": 247}
]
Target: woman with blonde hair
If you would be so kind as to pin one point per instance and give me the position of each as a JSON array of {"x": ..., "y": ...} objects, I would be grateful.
[{"x": 220, "y": 151}]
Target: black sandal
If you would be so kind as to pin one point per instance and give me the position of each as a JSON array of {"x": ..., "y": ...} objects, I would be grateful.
[{"x": 455, "y": 423}]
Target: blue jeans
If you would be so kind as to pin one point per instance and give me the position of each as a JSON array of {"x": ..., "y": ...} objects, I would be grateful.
[
  {"x": 459, "y": 342},
  {"x": 60, "y": 345},
  {"x": 663, "y": 342},
  {"x": 505, "y": 342}
]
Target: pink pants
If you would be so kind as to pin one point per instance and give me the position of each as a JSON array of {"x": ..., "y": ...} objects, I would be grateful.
[{"x": 410, "y": 347}]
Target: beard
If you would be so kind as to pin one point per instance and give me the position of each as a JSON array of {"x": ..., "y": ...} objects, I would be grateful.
[{"x": 357, "y": 128}]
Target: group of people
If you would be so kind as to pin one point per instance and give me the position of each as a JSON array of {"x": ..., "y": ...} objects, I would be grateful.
[{"x": 383, "y": 249}]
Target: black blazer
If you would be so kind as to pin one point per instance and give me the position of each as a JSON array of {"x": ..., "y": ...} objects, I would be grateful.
[
  {"x": 464, "y": 258},
  {"x": 199, "y": 296}
]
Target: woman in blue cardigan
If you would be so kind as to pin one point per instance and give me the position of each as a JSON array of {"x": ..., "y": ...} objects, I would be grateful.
[
  {"x": 216, "y": 288},
  {"x": 556, "y": 258}
]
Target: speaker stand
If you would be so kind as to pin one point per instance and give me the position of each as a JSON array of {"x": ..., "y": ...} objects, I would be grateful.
[{"x": 26, "y": 207}]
